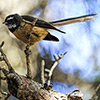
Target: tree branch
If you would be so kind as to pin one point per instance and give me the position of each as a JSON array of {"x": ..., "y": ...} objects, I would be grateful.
[
  {"x": 24, "y": 88},
  {"x": 42, "y": 72},
  {"x": 54, "y": 66},
  {"x": 27, "y": 52},
  {"x": 4, "y": 58}
]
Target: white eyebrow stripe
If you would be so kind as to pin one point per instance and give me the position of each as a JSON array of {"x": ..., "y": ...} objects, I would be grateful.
[{"x": 10, "y": 18}]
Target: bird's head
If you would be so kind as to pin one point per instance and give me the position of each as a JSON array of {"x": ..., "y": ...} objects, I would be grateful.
[{"x": 13, "y": 21}]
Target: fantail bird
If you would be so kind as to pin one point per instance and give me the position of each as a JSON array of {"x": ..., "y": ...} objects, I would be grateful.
[{"x": 31, "y": 30}]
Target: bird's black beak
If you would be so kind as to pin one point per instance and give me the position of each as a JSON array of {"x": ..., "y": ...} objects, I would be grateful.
[{"x": 5, "y": 23}]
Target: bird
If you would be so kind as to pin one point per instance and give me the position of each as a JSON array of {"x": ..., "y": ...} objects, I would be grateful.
[{"x": 31, "y": 30}]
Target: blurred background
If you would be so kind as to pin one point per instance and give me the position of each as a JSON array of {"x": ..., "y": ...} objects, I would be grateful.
[{"x": 80, "y": 67}]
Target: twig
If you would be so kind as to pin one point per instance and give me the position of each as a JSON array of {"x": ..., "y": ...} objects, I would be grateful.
[
  {"x": 5, "y": 71},
  {"x": 51, "y": 71},
  {"x": 94, "y": 97},
  {"x": 11, "y": 70},
  {"x": 5, "y": 94},
  {"x": 42, "y": 72},
  {"x": 4, "y": 58},
  {"x": 54, "y": 66},
  {"x": 2, "y": 78},
  {"x": 27, "y": 52}
]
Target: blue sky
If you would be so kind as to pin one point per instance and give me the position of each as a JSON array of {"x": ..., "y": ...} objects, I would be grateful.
[{"x": 81, "y": 39}]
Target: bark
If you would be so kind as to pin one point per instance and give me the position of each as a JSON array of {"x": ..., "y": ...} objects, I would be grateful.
[{"x": 26, "y": 89}]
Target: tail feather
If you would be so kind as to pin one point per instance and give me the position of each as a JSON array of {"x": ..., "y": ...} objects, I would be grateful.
[
  {"x": 50, "y": 37},
  {"x": 73, "y": 20}
]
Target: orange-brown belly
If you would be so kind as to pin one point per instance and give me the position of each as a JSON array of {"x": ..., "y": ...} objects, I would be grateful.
[{"x": 37, "y": 33}]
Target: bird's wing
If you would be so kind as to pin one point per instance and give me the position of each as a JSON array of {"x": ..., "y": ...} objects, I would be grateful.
[{"x": 40, "y": 23}]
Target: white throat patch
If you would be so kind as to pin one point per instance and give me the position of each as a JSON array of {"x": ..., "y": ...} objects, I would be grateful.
[{"x": 12, "y": 26}]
